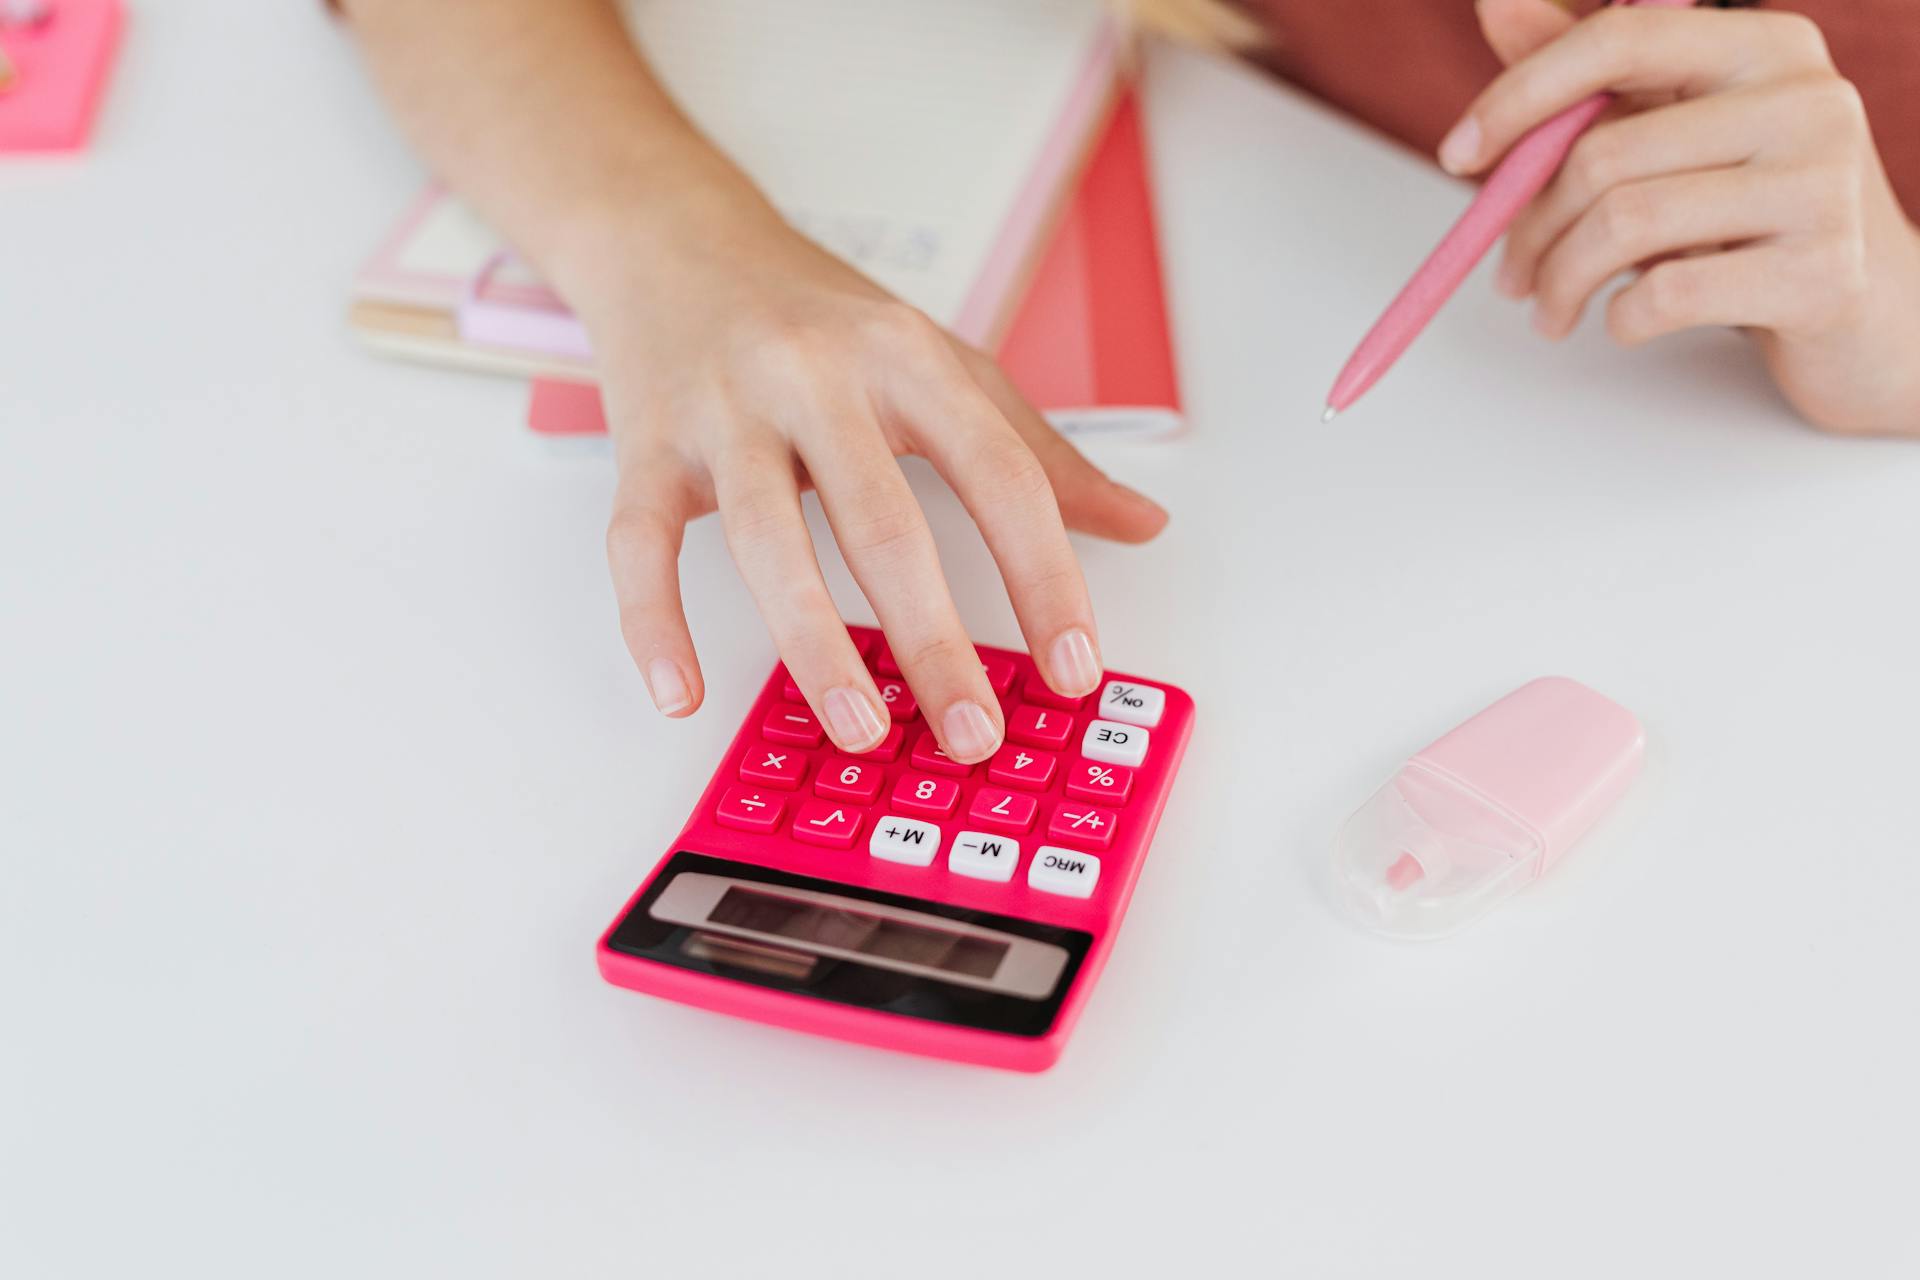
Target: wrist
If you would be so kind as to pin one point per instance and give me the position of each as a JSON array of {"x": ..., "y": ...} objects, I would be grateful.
[{"x": 674, "y": 208}]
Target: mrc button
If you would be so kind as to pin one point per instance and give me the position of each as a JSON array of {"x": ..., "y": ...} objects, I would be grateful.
[{"x": 1063, "y": 871}]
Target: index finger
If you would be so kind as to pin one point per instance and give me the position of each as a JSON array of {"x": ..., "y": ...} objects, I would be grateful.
[{"x": 1636, "y": 49}]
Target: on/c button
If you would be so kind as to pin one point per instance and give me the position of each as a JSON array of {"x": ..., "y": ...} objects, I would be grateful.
[{"x": 1064, "y": 871}]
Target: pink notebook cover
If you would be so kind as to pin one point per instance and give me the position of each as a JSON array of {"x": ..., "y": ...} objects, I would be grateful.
[
  {"x": 1090, "y": 340},
  {"x": 60, "y": 71}
]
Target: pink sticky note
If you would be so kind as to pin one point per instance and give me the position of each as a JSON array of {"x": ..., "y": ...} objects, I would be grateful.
[{"x": 60, "y": 69}]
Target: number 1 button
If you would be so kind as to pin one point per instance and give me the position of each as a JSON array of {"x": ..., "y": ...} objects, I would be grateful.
[{"x": 1046, "y": 727}]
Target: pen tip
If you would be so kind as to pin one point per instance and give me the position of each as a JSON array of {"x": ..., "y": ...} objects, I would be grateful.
[{"x": 1329, "y": 414}]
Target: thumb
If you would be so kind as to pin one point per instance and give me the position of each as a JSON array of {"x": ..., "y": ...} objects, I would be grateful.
[{"x": 1516, "y": 28}]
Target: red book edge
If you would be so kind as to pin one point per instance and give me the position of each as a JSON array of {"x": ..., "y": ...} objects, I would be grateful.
[{"x": 1090, "y": 343}]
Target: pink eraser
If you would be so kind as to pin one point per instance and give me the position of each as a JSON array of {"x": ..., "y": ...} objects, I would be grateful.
[{"x": 1486, "y": 808}]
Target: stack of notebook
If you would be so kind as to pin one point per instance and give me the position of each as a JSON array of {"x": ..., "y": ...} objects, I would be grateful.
[{"x": 980, "y": 160}]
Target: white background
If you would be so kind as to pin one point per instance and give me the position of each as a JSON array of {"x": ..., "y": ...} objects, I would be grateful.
[{"x": 321, "y": 768}]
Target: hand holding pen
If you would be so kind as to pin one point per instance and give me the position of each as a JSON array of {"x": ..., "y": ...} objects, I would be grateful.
[{"x": 1735, "y": 178}]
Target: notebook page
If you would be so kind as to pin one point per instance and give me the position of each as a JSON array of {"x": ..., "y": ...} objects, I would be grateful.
[{"x": 897, "y": 133}]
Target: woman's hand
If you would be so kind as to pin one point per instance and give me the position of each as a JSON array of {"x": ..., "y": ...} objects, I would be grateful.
[
  {"x": 1738, "y": 180},
  {"x": 741, "y": 364}
]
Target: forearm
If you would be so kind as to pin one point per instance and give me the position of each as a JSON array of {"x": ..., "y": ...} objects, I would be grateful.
[{"x": 545, "y": 117}]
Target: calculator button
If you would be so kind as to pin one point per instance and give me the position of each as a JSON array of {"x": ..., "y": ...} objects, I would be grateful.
[
  {"x": 791, "y": 724},
  {"x": 1082, "y": 824},
  {"x": 843, "y": 778},
  {"x": 927, "y": 755},
  {"x": 1000, "y": 672},
  {"x": 827, "y": 822},
  {"x": 750, "y": 809},
  {"x": 788, "y": 689},
  {"x": 1112, "y": 743},
  {"x": 905, "y": 840},
  {"x": 999, "y": 810},
  {"x": 889, "y": 748},
  {"x": 899, "y": 699},
  {"x": 929, "y": 797},
  {"x": 1090, "y": 780},
  {"x": 883, "y": 660},
  {"x": 983, "y": 856},
  {"x": 1019, "y": 767},
  {"x": 1040, "y": 726},
  {"x": 1035, "y": 690},
  {"x": 773, "y": 766},
  {"x": 864, "y": 642},
  {"x": 1063, "y": 871},
  {"x": 1131, "y": 702}
]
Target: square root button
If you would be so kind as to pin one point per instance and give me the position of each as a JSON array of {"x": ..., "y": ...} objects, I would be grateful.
[{"x": 1067, "y": 872}]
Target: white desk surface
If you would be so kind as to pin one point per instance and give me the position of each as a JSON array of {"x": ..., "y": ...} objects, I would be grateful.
[{"x": 321, "y": 767}]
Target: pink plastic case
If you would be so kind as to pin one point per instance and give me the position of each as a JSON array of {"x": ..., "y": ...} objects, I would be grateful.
[{"x": 798, "y": 894}]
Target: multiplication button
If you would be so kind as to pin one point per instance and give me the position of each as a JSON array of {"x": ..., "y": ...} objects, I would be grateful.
[
  {"x": 1063, "y": 871},
  {"x": 904, "y": 840},
  {"x": 1131, "y": 702},
  {"x": 1111, "y": 743},
  {"x": 984, "y": 857}
]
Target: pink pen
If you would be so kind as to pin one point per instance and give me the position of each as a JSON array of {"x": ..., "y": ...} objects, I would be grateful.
[{"x": 1516, "y": 180}]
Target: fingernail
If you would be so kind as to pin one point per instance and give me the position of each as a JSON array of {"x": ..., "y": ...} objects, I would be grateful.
[
  {"x": 969, "y": 732},
  {"x": 1139, "y": 497},
  {"x": 852, "y": 720},
  {"x": 668, "y": 686},
  {"x": 1074, "y": 665},
  {"x": 1507, "y": 280},
  {"x": 1461, "y": 147}
]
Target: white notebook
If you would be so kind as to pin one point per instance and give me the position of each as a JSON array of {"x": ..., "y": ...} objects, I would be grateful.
[{"x": 929, "y": 142}]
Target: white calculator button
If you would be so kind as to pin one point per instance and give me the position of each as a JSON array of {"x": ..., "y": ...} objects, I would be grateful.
[
  {"x": 1112, "y": 743},
  {"x": 1131, "y": 702},
  {"x": 1063, "y": 871},
  {"x": 905, "y": 840},
  {"x": 983, "y": 856}
]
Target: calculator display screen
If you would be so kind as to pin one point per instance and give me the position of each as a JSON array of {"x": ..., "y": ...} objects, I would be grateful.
[
  {"x": 774, "y": 916},
  {"x": 853, "y": 945}
]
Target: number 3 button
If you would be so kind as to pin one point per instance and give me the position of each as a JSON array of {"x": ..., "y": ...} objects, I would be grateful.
[{"x": 1112, "y": 743}]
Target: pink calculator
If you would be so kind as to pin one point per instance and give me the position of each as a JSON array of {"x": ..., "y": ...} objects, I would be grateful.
[{"x": 902, "y": 899}]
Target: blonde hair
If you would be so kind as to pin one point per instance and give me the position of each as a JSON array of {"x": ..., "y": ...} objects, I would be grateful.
[{"x": 1210, "y": 23}]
